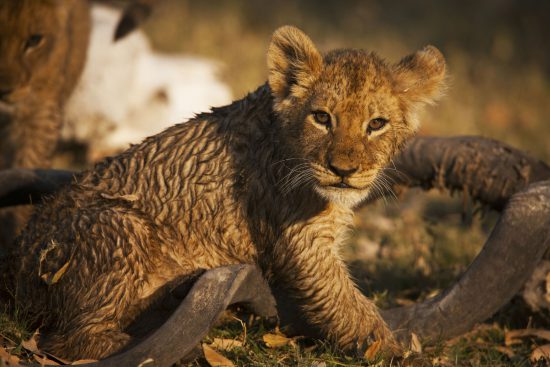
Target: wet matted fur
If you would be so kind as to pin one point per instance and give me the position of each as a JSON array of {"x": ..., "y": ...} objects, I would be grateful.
[{"x": 270, "y": 180}]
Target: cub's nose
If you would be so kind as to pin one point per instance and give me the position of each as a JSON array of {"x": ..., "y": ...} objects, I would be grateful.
[
  {"x": 342, "y": 169},
  {"x": 5, "y": 92}
]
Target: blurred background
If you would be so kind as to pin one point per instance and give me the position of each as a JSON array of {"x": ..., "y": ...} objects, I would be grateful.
[
  {"x": 497, "y": 50},
  {"x": 499, "y": 61}
]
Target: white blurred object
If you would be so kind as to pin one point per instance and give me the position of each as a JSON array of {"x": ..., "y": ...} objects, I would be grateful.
[{"x": 128, "y": 92}]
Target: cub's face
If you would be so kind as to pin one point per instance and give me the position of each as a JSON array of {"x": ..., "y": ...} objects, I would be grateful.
[{"x": 345, "y": 115}]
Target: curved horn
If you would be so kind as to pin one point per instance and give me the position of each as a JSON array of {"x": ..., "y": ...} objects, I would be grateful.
[
  {"x": 20, "y": 186},
  {"x": 488, "y": 170},
  {"x": 494, "y": 174},
  {"x": 506, "y": 261},
  {"x": 206, "y": 301},
  {"x": 134, "y": 14}
]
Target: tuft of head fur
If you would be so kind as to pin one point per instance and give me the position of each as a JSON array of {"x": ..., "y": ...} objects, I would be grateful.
[{"x": 353, "y": 89}]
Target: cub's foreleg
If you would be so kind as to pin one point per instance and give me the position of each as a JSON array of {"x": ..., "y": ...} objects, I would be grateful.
[{"x": 319, "y": 281}]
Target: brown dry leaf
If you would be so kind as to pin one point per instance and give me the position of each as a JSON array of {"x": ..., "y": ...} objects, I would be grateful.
[
  {"x": 83, "y": 361},
  {"x": 31, "y": 345},
  {"x": 511, "y": 337},
  {"x": 225, "y": 344},
  {"x": 541, "y": 352},
  {"x": 215, "y": 359},
  {"x": 276, "y": 340},
  {"x": 50, "y": 279},
  {"x": 44, "y": 361},
  {"x": 416, "y": 345},
  {"x": 372, "y": 350},
  {"x": 8, "y": 360}
]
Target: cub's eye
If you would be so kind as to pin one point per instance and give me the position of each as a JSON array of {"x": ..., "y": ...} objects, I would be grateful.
[
  {"x": 33, "y": 41},
  {"x": 322, "y": 118},
  {"x": 377, "y": 124}
]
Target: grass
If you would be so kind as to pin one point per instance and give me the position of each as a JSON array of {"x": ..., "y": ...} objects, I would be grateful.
[
  {"x": 498, "y": 61},
  {"x": 399, "y": 254}
]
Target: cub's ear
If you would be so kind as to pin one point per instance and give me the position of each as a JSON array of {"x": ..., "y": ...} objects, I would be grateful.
[
  {"x": 420, "y": 77},
  {"x": 293, "y": 62}
]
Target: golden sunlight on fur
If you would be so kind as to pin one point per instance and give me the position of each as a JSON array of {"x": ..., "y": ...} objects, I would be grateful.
[{"x": 269, "y": 180}]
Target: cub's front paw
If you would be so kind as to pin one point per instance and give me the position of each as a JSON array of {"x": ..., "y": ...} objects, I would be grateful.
[{"x": 375, "y": 346}]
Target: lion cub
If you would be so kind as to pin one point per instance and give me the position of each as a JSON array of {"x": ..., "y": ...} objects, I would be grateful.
[{"x": 270, "y": 180}]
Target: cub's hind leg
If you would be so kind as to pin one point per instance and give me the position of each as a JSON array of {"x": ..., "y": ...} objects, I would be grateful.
[{"x": 90, "y": 274}]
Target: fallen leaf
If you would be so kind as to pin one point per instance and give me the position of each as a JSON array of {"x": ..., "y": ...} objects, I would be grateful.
[
  {"x": 83, "y": 361},
  {"x": 416, "y": 345},
  {"x": 318, "y": 364},
  {"x": 511, "y": 337},
  {"x": 44, "y": 361},
  {"x": 30, "y": 344},
  {"x": 215, "y": 359},
  {"x": 50, "y": 279},
  {"x": 276, "y": 340},
  {"x": 225, "y": 344},
  {"x": 44, "y": 253},
  {"x": 542, "y": 352},
  {"x": 372, "y": 350},
  {"x": 8, "y": 360}
]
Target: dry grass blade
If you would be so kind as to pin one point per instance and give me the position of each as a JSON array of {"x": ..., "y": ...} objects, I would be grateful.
[
  {"x": 50, "y": 278},
  {"x": 511, "y": 337},
  {"x": 416, "y": 345},
  {"x": 83, "y": 361},
  {"x": 372, "y": 350},
  {"x": 129, "y": 197},
  {"x": 215, "y": 359}
]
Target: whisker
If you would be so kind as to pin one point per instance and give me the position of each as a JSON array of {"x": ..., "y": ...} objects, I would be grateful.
[
  {"x": 384, "y": 182},
  {"x": 293, "y": 178},
  {"x": 300, "y": 179},
  {"x": 291, "y": 172}
]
